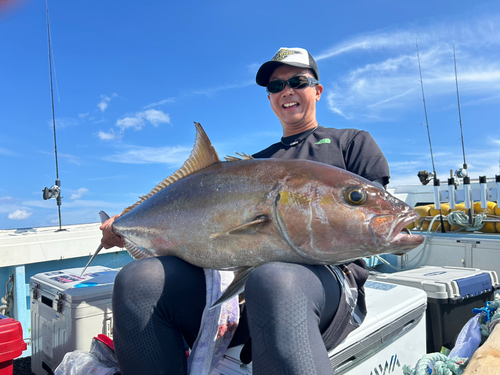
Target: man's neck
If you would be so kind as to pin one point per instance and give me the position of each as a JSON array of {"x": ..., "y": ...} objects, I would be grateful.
[{"x": 288, "y": 130}]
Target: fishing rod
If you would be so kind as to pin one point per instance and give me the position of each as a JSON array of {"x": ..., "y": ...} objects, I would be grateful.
[
  {"x": 459, "y": 113},
  {"x": 53, "y": 192},
  {"x": 425, "y": 111},
  {"x": 437, "y": 202},
  {"x": 462, "y": 172}
]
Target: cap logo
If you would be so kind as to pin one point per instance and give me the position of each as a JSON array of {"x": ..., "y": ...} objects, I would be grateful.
[{"x": 284, "y": 53}]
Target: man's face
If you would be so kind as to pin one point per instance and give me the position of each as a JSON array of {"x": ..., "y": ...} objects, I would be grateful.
[{"x": 295, "y": 108}]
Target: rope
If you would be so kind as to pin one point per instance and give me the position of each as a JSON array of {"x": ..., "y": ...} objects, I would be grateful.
[
  {"x": 457, "y": 218},
  {"x": 9, "y": 297},
  {"x": 442, "y": 365},
  {"x": 428, "y": 237},
  {"x": 489, "y": 326},
  {"x": 460, "y": 219}
]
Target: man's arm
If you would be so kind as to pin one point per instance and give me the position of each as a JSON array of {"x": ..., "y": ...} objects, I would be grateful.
[{"x": 381, "y": 181}]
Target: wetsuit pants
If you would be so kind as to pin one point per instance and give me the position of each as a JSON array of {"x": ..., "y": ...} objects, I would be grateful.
[{"x": 158, "y": 303}]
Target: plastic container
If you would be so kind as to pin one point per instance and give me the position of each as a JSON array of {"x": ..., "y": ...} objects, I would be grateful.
[
  {"x": 452, "y": 293},
  {"x": 11, "y": 343},
  {"x": 67, "y": 311},
  {"x": 392, "y": 335}
]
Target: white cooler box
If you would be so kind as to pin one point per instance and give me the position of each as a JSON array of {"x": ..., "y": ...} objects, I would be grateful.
[
  {"x": 67, "y": 311},
  {"x": 392, "y": 335}
]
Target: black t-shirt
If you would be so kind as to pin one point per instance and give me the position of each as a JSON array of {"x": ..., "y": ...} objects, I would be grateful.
[{"x": 350, "y": 149}]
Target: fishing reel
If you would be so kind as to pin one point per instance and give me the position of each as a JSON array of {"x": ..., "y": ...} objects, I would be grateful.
[
  {"x": 53, "y": 192},
  {"x": 461, "y": 173},
  {"x": 425, "y": 177}
]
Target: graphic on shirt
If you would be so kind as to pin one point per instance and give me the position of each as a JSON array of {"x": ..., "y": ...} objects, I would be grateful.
[{"x": 324, "y": 140}]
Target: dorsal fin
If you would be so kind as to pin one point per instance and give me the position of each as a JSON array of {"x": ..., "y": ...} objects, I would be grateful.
[
  {"x": 242, "y": 156},
  {"x": 202, "y": 156}
]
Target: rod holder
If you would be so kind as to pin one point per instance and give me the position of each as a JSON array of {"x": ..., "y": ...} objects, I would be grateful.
[
  {"x": 452, "y": 196},
  {"x": 483, "y": 191},
  {"x": 437, "y": 201},
  {"x": 497, "y": 179},
  {"x": 467, "y": 193}
]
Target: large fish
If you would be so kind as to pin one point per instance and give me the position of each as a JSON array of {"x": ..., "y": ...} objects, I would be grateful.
[{"x": 245, "y": 212}]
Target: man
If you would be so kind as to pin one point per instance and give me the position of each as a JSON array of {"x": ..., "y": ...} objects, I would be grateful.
[{"x": 293, "y": 313}]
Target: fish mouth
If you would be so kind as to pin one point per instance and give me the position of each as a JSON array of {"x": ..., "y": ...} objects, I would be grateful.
[
  {"x": 402, "y": 238},
  {"x": 390, "y": 231}
]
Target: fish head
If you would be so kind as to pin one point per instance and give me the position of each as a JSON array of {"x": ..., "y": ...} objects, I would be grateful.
[{"x": 342, "y": 216}]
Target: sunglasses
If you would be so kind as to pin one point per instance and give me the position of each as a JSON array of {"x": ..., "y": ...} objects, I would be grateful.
[{"x": 298, "y": 82}]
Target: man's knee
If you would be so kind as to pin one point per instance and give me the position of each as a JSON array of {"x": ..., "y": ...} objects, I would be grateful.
[{"x": 275, "y": 279}]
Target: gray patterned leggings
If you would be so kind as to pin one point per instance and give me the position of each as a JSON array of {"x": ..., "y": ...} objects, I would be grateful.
[{"x": 158, "y": 303}]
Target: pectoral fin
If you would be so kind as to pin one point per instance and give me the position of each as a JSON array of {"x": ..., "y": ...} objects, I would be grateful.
[
  {"x": 246, "y": 228},
  {"x": 236, "y": 287}
]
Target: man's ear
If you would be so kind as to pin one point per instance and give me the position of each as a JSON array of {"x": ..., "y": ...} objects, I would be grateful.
[{"x": 319, "y": 91}]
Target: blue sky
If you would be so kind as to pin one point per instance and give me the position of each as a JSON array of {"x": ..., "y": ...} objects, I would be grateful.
[{"x": 131, "y": 77}]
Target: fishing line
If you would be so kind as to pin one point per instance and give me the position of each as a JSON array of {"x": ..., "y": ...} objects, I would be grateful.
[{"x": 436, "y": 181}]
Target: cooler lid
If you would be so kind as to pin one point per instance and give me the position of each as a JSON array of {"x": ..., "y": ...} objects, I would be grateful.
[
  {"x": 96, "y": 282},
  {"x": 445, "y": 282}
]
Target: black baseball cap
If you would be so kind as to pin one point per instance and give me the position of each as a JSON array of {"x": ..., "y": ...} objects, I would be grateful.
[{"x": 298, "y": 57}]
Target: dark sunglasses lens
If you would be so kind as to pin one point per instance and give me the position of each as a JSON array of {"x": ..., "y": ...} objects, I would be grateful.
[
  {"x": 298, "y": 82},
  {"x": 275, "y": 86}
]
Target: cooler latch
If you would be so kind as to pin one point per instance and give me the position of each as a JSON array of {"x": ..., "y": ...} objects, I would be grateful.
[
  {"x": 109, "y": 327},
  {"x": 36, "y": 287},
  {"x": 59, "y": 301}
]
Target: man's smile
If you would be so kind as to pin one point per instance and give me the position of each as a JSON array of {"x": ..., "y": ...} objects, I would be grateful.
[{"x": 290, "y": 104}]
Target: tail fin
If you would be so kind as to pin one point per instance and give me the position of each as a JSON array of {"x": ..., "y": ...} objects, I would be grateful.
[{"x": 103, "y": 216}]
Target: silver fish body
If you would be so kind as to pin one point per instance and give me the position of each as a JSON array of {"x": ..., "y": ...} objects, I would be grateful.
[{"x": 246, "y": 213}]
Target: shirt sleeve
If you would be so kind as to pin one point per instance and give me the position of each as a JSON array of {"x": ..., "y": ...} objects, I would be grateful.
[{"x": 364, "y": 157}]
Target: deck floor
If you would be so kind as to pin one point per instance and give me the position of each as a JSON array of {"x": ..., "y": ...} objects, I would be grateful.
[{"x": 22, "y": 366}]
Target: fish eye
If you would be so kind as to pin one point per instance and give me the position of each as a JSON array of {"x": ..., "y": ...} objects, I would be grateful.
[{"x": 355, "y": 196}]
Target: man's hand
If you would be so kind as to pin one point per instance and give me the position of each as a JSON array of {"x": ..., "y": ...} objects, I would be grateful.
[{"x": 110, "y": 238}]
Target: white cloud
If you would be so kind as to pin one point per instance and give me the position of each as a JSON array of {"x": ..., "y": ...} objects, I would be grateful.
[
  {"x": 253, "y": 68},
  {"x": 19, "y": 215},
  {"x": 79, "y": 193},
  {"x": 104, "y": 103},
  {"x": 156, "y": 117},
  {"x": 64, "y": 122},
  {"x": 173, "y": 156},
  {"x": 390, "y": 81},
  {"x": 4, "y": 151},
  {"x": 138, "y": 121},
  {"x": 72, "y": 204},
  {"x": 161, "y": 102},
  {"x": 83, "y": 115},
  {"x": 110, "y": 136},
  {"x": 71, "y": 158},
  {"x": 211, "y": 91}
]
